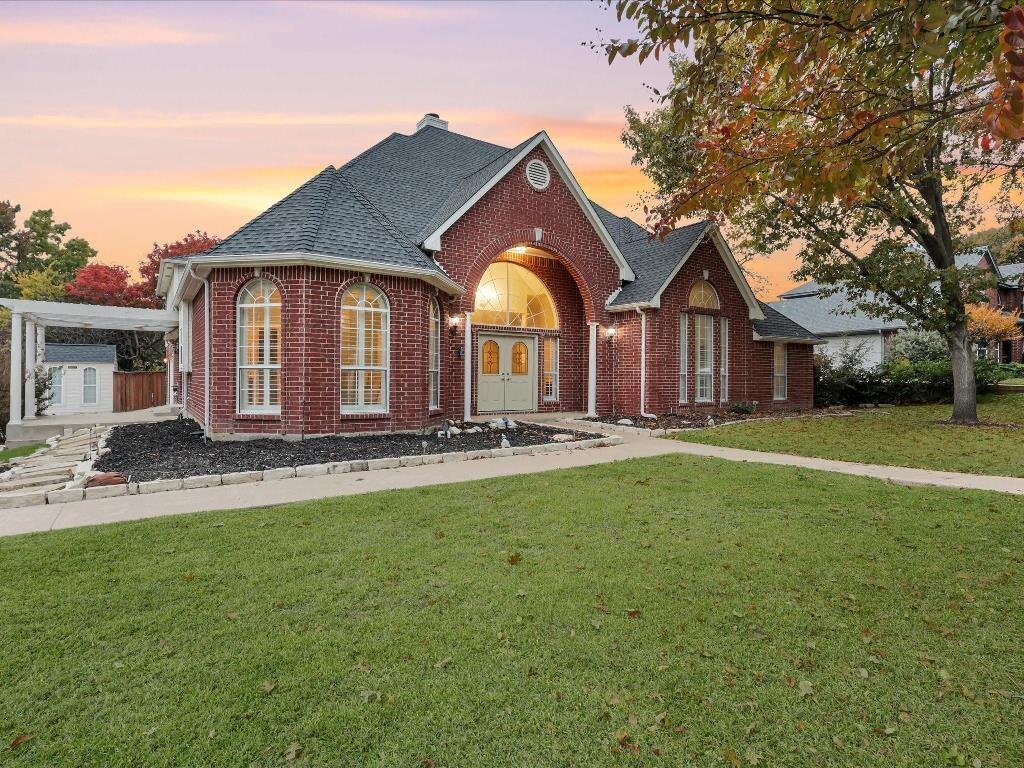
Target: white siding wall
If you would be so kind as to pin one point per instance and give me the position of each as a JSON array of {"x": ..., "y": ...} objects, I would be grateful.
[
  {"x": 870, "y": 344},
  {"x": 72, "y": 400}
]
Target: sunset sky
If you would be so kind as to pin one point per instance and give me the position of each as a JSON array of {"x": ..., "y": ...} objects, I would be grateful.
[{"x": 139, "y": 122}]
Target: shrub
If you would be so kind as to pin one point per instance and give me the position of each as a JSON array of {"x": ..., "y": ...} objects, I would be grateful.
[
  {"x": 743, "y": 408},
  {"x": 918, "y": 346}
]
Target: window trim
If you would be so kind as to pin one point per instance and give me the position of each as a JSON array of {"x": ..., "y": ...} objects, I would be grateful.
[
  {"x": 49, "y": 372},
  {"x": 434, "y": 356},
  {"x": 784, "y": 375},
  {"x": 95, "y": 386},
  {"x": 548, "y": 295},
  {"x": 723, "y": 361},
  {"x": 704, "y": 375},
  {"x": 361, "y": 311},
  {"x": 554, "y": 397},
  {"x": 265, "y": 307},
  {"x": 684, "y": 357}
]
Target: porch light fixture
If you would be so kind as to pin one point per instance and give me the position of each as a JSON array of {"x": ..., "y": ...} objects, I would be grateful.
[
  {"x": 453, "y": 324},
  {"x": 610, "y": 332}
]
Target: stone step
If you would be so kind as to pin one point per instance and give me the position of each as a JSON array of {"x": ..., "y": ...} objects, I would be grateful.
[{"x": 17, "y": 483}]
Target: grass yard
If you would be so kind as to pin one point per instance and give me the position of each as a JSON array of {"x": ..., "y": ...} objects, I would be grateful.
[
  {"x": 906, "y": 436},
  {"x": 6, "y": 454},
  {"x": 671, "y": 611}
]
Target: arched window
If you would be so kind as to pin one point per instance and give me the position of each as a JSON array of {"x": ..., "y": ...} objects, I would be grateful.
[
  {"x": 364, "y": 349},
  {"x": 434, "y": 353},
  {"x": 489, "y": 357},
  {"x": 259, "y": 348},
  {"x": 512, "y": 295},
  {"x": 520, "y": 359},
  {"x": 703, "y": 296},
  {"x": 90, "y": 389}
]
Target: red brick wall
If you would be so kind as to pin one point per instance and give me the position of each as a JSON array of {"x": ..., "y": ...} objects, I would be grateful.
[
  {"x": 506, "y": 217},
  {"x": 310, "y": 320},
  {"x": 800, "y": 373},
  {"x": 195, "y": 379}
]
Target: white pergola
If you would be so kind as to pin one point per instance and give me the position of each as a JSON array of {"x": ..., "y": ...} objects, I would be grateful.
[{"x": 36, "y": 316}]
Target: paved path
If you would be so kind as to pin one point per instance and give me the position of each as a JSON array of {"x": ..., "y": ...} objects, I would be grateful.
[{"x": 98, "y": 511}]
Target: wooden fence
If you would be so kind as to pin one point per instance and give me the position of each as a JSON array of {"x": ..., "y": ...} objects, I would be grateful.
[{"x": 136, "y": 390}]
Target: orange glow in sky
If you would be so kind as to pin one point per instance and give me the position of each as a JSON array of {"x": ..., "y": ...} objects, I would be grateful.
[{"x": 140, "y": 122}]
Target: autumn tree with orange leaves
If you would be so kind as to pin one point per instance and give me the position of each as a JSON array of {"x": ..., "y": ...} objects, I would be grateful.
[
  {"x": 987, "y": 325},
  {"x": 865, "y": 131}
]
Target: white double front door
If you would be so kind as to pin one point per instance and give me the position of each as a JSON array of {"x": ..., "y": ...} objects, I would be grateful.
[{"x": 506, "y": 373}]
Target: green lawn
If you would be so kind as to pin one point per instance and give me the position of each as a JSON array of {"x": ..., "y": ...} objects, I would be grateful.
[
  {"x": 6, "y": 454},
  {"x": 666, "y": 612},
  {"x": 908, "y": 436}
]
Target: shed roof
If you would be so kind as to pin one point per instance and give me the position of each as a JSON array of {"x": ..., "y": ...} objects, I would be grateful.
[{"x": 80, "y": 353}]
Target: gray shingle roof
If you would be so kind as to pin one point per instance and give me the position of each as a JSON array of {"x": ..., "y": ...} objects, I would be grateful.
[
  {"x": 777, "y": 326},
  {"x": 829, "y": 315},
  {"x": 1011, "y": 272},
  {"x": 382, "y": 204},
  {"x": 80, "y": 353}
]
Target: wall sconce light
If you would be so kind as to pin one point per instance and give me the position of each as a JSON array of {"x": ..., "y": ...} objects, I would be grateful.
[
  {"x": 610, "y": 332},
  {"x": 453, "y": 324}
]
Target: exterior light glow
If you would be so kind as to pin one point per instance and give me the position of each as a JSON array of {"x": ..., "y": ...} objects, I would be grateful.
[{"x": 611, "y": 332}]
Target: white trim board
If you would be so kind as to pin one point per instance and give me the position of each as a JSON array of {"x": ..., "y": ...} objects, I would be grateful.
[{"x": 432, "y": 242}]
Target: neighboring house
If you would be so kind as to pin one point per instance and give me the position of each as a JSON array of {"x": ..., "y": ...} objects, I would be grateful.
[
  {"x": 835, "y": 319},
  {"x": 81, "y": 378},
  {"x": 439, "y": 276}
]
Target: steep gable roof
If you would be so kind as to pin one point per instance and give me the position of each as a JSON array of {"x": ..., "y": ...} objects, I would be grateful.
[{"x": 776, "y": 326}]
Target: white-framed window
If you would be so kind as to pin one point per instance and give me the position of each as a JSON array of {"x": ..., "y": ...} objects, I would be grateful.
[
  {"x": 779, "y": 382},
  {"x": 434, "y": 354},
  {"x": 703, "y": 295},
  {"x": 684, "y": 356},
  {"x": 550, "y": 368},
  {"x": 704, "y": 332},
  {"x": 365, "y": 327},
  {"x": 56, "y": 374},
  {"x": 90, "y": 389},
  {"x": 259, "y": 348},
  {"x": 724, "y": 361}
]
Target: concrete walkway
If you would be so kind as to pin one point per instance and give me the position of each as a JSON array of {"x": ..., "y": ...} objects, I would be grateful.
[{"x": 99, "y": 511}]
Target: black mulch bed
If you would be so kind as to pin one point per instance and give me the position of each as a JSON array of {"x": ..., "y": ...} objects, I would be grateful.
[{"x": 172, "y": 449}]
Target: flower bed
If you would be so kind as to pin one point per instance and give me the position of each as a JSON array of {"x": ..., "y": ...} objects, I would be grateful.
[{"x": 176, "y": 449}]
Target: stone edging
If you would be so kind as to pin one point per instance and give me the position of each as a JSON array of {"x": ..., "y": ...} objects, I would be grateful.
[
  {"x": 65, "y": 495},
  {"x": 583, "y": 423}
]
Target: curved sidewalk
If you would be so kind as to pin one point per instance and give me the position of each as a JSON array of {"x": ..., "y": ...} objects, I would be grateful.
[{"x": 99, "y": 511}]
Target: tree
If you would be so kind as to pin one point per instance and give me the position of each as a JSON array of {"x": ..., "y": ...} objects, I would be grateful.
[
  {"x": 987, "y": 324},
  {"x": 1006, "y": 242},
  {"x": 39, "y": 243},
  {"x": 106, "y": 284},
  {"x": 863, "y": 130},
  {"x": 41, "y": 285},
  {"x": 149, "y": 268}
]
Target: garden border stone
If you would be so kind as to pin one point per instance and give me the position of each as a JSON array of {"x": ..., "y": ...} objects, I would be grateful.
[{"x": 73, "y": 494}]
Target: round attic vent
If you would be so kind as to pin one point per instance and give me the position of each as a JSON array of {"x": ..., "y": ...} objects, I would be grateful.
[{"x": 538, "y": 175}]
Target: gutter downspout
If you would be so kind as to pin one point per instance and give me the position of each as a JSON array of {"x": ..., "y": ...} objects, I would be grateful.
[
  {"x": 643, "y": 366},
  {"x": 206, "y": 351}
]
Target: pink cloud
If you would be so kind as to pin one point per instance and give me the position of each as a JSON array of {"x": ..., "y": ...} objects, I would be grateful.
[{"x": 99, "y": 33}]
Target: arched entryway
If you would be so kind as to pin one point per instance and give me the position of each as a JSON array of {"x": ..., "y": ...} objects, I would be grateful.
[{"x": 529, "y": 319}]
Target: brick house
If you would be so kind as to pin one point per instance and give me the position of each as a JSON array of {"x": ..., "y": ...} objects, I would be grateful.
[{"x": 439, "y": 276}]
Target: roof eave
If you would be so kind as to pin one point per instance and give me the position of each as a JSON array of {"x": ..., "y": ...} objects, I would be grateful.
[
  {"x": 789, "y": 339},
  {"x": 200, "y": 266}
]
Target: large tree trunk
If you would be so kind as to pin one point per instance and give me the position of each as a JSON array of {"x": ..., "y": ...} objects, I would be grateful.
[{"x": 965, "y": 388}]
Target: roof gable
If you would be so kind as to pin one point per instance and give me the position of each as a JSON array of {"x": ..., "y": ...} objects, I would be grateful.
[{"x": 480, "y": 183}]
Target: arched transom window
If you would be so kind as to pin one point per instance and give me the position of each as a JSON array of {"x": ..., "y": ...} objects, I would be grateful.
[
  {"x": 512, "y": 295},
  {"x": 364, "y": 349},
  {"x": 703, "y": 296},
  {"x": 259, "y": 348}
]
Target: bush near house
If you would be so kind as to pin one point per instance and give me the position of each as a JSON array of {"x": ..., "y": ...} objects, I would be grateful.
[{"x": 901, "y": 381}]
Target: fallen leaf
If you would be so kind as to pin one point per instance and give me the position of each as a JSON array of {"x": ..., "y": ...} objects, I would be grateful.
[
  {"x": 427, "y": 763},
  {"x": 269, "y": 686},
  {"x": 293, "y": 752},
  {"x": 443, "y": 663},
  {"x": 752, "y": 757},
  {"x": 633, "y": 613},
  {"x": 212, "y": 734},
  {"x": 233, "y": 616},
  {"x": 21, "y": 740},
  {"x": 806, "y": 689},
  {"x": 515, "y": 558},
  {"x": 730, "y": 754}
]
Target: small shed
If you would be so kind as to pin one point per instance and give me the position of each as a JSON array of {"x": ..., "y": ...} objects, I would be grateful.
[{"x": 81, "y": 377}]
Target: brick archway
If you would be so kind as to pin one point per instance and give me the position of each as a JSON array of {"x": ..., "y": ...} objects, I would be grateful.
[{"x": 550, "y": 243}]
